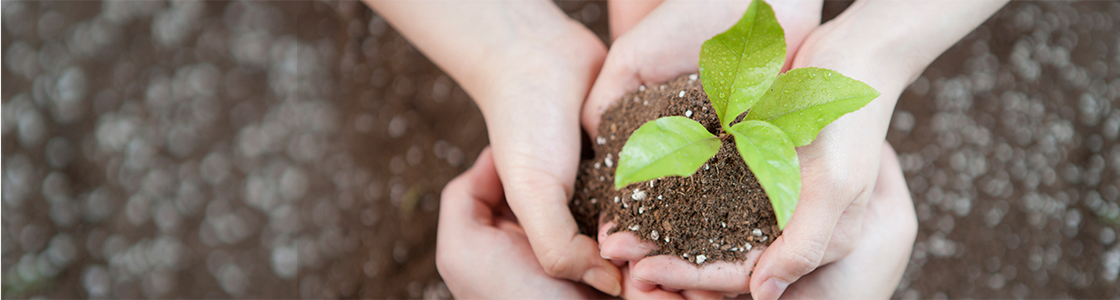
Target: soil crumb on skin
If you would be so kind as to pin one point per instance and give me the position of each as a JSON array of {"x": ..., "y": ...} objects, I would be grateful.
[{"x": 717, "y": 214}]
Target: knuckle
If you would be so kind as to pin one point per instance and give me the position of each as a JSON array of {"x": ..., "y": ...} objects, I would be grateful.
[
  {"x": 556, "y": 265},
  {"x": 806, "y": 258}
]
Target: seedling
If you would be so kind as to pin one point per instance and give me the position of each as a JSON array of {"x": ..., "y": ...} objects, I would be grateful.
[{"x": 739, "y": 70}]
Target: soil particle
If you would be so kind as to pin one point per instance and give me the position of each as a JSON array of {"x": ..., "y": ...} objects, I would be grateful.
[{"x": 710, "y": 216}]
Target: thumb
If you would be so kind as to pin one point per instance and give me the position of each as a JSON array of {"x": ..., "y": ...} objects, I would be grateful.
[
  {"x": 552, "y": 231},
  {"x": 804, "y": 242}
]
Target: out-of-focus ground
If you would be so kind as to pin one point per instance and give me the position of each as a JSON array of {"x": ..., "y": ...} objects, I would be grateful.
[{"x": 256, "y": 149}]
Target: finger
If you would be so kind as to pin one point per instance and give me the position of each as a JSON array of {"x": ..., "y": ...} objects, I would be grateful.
[
  {"x": 622, "y": 245},
  {"x": 553, "y": 233},
  {"x": 701, "y": 295},
  {"x": 801, "y": 247},
  {"x": 676, "y": 273},
  {"x": 847, "y": 231},
  {"x": 624, "y": 14},
  {"x": 874, "y": 268},
  {"x": 463, "y": 213},
  {"x": 630, "y": 289},
  {"x": 641, "y": 285},
  {"x": 469, "y": 199}
]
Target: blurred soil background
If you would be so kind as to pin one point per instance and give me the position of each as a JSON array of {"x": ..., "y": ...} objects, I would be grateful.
[{"x": 283, "y": 149}]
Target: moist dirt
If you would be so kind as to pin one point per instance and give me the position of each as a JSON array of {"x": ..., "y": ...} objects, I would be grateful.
[{"x": 717, "y": 214}]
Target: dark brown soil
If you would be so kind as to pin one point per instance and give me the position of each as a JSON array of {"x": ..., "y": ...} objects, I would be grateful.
[{"x": 716, "y": 214}]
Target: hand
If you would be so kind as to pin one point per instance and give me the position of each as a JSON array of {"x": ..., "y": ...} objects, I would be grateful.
[
  {"x": 878, "y": 259},
  {"x": 528, "y": 67},
  {"x": 664, "y": 45},
  {"x": 884, "y": 43},
  {"x": 482, "y": 251}
]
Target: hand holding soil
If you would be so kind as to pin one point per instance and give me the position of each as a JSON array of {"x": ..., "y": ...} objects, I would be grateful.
[
  {"x": 839, "y": 169},
  {"x": 484, "y": 253},
  {"x": 528, "y": 67}
]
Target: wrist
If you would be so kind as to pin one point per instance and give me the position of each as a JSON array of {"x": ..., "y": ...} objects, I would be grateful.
[{"x": 567, "y": 55}]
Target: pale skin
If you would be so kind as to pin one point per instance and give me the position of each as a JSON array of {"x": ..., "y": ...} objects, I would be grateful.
[
  {"x": 529, "y": 69},
  {"x": 483, "y": 252},
  {"x": 883, "y": 43}
]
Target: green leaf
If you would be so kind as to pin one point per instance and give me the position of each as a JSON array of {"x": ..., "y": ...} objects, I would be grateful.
[
  {"x": 771, "y": 156},
  {"x": 802, "y": 101},
  {"x": 663, "y": 147},
  {"x": 738, "y": 65}
]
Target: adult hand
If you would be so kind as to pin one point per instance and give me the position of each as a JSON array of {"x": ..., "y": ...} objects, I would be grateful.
[
  {"x": 528, "y": 67},
  {"x": 482, "y": 252},
  {"x": 878, "y": 259},
  {"x": 662, "y": 46},
  {"x": 885, "y": 44}
]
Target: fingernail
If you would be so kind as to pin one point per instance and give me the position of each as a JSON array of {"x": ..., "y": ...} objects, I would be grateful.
[
  {"x": 603, "y": 281},
  {"x": 771, "y": 289}
]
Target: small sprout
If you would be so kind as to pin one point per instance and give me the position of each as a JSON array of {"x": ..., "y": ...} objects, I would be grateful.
[
  {"x": 601, "y": 140},
  {"x": 597, "y": 165},
  {"x": 741, "y": 73},
  {"x": 624, "y": 205},
  {"x": 594, "y": 201},
  {"x": 642, "y": 88},
  {"x": 653, "y": 235},
  {"x": 651, "y": 183},
  {"x": 615, "y": 199},
  {"x": 706, "y": 167},
  {"x": 608, "y": 161},
  {"x": 711, "y": 241},
  {"x": 638, "y": 195},
  {"x": 635, "y": 227},
  {"x": 734, "y": 249},
  {"x": 666, "y": 239},
  {"x": 756, "y": 232},
  {"x": 641, "y": 210},
  {"x": 724, "y": 224},
  {"x": 700, "y": 259}
]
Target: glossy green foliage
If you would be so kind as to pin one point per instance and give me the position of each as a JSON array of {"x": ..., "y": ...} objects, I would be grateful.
[
  {"x": 771, "y": 157},
  {"x": 802, "y": 101},
  {"x": 739, "y": 69},
  {"x": 664, "y": 147},
  {"x": 740, "y": 64}
]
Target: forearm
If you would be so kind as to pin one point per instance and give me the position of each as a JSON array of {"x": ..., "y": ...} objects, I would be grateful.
[
  {"x": 472, "y": 40},
  {"x": 888, "y": 43},
  {"x": 904, "y": 37}
]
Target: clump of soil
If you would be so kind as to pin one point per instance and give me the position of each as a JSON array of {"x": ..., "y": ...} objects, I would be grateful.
[{"x": 717, "y": 214}]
